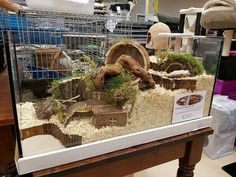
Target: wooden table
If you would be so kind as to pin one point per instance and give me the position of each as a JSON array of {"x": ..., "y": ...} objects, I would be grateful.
[{"x": 187, "y": 148}]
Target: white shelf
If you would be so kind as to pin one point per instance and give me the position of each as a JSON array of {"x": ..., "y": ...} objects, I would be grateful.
[{"x": 182, "y": 35}]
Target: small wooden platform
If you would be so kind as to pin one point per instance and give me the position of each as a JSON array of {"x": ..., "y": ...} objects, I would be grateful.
[
  {"x": 52, "y": 129},
  {"x": 175, "y": 83},
  {"x": 108, "y": 115}
]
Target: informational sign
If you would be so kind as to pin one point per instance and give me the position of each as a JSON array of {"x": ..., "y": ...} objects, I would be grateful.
[{"x": 188, "y": 106}]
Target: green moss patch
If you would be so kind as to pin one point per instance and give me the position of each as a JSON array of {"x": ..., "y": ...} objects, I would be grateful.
[
  {"x": 120, "y": 89},
  {"x": 188, "y": 61}
]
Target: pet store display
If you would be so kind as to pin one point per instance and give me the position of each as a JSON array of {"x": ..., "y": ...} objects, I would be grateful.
[{"x": 101, "y": 91}]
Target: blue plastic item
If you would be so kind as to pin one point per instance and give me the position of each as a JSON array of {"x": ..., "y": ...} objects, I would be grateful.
[
  {"x": 25, "y": 32},
  {"x": 38, "y": 36},
  {"x": 44, "y": 73},
  {"x": 12, "y": 22}
]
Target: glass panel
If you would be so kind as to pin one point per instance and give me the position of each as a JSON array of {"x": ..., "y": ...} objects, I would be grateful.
[{"x": 81, "y": 78}]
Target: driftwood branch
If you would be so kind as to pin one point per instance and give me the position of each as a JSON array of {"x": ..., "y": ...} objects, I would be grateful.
[
  {"x": 70, "y": 100},
  {"x": 127, "y": 62}
]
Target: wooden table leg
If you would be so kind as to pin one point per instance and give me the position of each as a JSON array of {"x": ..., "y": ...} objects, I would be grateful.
[{"x": 191, "y": 158}]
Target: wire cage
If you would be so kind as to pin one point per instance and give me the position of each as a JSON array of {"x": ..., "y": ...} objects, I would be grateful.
[
  {"x": 48, "y": 45},
  {"x": 42, "y": 46}
]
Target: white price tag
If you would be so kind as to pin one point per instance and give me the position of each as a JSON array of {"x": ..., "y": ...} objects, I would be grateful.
[{"x": 188, "y": 106}]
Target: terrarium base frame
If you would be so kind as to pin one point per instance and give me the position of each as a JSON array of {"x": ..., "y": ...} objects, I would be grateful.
[{"x": 51, "y": 159}]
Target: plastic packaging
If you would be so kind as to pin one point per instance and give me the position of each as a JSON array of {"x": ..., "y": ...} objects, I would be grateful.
[
  {"x": 219, "y": 146},
  {"x": 224, "y": 113},
  {"x": 221, "y": 143},
  {"x": 73, "y": 6}
]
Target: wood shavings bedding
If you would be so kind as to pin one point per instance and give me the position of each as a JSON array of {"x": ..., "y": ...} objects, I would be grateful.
[
  {"x": 27, "y": 115},
  {"x": 153, "y": 108},
  {"x": 206, "y": 82}
]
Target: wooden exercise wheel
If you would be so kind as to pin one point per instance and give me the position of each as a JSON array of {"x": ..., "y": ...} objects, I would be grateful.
[{"x": 128, "y": 48}]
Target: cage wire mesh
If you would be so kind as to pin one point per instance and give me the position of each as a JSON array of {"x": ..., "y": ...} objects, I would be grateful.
[{"x": 50, "y": 45}]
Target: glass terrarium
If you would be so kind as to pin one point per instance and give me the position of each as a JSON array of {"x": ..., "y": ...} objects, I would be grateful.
[{"x": 81, "y": 83}]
